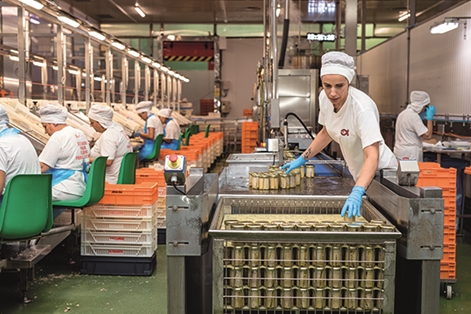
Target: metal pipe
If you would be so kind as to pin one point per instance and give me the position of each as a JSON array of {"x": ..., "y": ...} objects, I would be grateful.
[
  {"x": 284, "y": 42},
  {"x": 108, "y": 69},
  {"x": 21, "y": 55},
  {"x": 274, "y": 50},
  {"x": 88, "y": 73},
  {"x": 61, "y": 64}
]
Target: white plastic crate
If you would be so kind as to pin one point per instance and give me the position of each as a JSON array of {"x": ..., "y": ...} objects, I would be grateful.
[
  {"x": 121, "y": 237},
  {"x": 119, "y": 224},
  {"x": 65, "y": 218},
  {"x": 118, "y": 211},
  {"x": 161, "y": 222},
  {"x": 124, "y": 250}
]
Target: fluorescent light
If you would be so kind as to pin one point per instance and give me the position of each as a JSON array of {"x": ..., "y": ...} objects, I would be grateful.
[
  {"x": 139, "y": 10},
  {"x": 98, "y": 79},
  {"x": 171, "y": 37},
  {"x": 97, "y": 35},
  {"x": 403, "y": 16},
  {"x": 34, "y": 21},
  {"x": 55, "y": 67},
  {"x": 157, "y": 65},
  {"x": 278, "y": 10},
  {"x": 118, "y": 45},
  {"x": 145, "y": 59},
  {"x": 32, "y": 3},
  {"x": 68, "y": 21},
  {"x": 39, "y": 64},
  {"x": 445, "y": 26},
  {"x": 134, "y": 53},
  {"x": 84, "y": 74},
  {"x": 14, "y": 51},
  {"x": 171, "y": 73},
  {"x": 164, "y": 69},
  {"x": 74, "y": 72},
  {"x": 14, "y": 58}
]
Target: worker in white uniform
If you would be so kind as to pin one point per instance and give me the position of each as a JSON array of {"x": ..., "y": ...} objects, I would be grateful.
[
  {"x": 66, "y": 154},
  {"x": 152, "y": 128},
  {"x": 171, "y": 130},
  {"x": 350, "y": 118},
  {"x": 410, "y": 130},
  {"x": 113, "y": 141},
  {"x": 17, "y": 154}
]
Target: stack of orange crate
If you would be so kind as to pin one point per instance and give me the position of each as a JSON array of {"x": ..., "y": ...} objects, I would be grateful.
[
  {"x": 431, "y": 174},
  {"x": 249, "y": 136}
]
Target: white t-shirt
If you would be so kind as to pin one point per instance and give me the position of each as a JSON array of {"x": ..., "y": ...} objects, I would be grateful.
[
  {"x": 154, "y": 122},
  {"x": 67, "y": 149},
  {"x": 17, "y": 156},
  {"x": 113, "y": 143},
  {"x": 355, "y": 127},
  {"x": 172, "y": 130},
  {"x": 408, "y": 140}
]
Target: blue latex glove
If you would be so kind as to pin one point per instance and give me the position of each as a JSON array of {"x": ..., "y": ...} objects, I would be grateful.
[
  {"x": 422, "y": 115},
  {"x": 294, "y": 164},
  {"x": 137, "y": 133},
  {"x": 353, "y": 202},
  {"x": 430, "y": 112}
]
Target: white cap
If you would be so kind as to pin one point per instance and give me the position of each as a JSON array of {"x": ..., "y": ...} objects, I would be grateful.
[
  {"x": 101, "y": 114},
  {"x": 144, "y": 106},
  {"x": 418, "y": 100},
  {"x": 165, "y": 113},
  {"x": 336, "y": 62},
  {"x": 3, "y": 116},
  {"x": 53, "y": 114}
]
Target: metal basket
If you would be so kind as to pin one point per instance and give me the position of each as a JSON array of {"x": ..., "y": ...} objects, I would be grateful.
[{"x": 303, "y": 267}]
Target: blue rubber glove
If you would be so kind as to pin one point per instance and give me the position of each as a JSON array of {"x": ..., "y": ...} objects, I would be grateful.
[
  {"x": 137, "y": 133},
  {"x": 430, "y": 112},
  {"x": 294, "y": 164},
  {"x": 353, "y": 202},
  {"x": 422, "y": 115}
]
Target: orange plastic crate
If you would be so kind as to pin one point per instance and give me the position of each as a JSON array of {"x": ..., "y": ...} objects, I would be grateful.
[
  {"x": 150, "y": 175},
  {"x": 145, "y": 193},
  {"x": 449, "y": 235}
]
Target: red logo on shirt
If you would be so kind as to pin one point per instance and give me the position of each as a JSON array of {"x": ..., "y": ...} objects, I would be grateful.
[{"x": 344, "y": 132}]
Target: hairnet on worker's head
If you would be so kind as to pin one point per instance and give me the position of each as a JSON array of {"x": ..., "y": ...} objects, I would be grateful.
[
  {"x": 336, "y": 62},
  {"x": 165, "y": 113},
  {"x": 3, "y": 117},
  {"x": 53, "y": 114},
  {"x": 418, "y": 100},
  {"x": 101, "y": 114},
  {"x": 144, "y": 106}
]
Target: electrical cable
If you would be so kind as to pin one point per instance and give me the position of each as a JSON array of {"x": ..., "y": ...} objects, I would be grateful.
[
  {"x": 175, "y": 186},
  {"x": 301, "y": 121}
]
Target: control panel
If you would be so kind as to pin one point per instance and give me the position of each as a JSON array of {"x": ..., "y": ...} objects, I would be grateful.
[{"x": 175, "y": 169}]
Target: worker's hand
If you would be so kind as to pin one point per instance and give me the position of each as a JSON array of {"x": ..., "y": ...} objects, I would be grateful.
[
  {"x": 430, "y": 112},
  {"x": 422, "y": 115},
  {"x": 294, "y": 164},
  {"x": 138, "y": 132},
  {"x": 353, "y": 203}
]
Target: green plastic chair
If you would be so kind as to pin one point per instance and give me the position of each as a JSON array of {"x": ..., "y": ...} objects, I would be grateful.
[
  {"x": 206, "y": 133},
  {"x": 156, "y": 150},
  {"x": 187, "y": 137},
  {"x": 180, "y": 139},
  {"x": 95, "y": 188},
  {"x": 26, "y": 209},
  {"x": 127, "y": 170}
]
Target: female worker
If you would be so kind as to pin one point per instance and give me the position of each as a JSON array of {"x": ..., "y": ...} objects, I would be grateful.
[
  {"x": 113, "y": 142},
  {"x": 66, "y": 154},
  {"x": 171, "y": 129},
  {"x": 152, "y": 128},
  {"x": 410, "y": 130},
  {"x": 350, "y": 118},
  {"x": 17, "y": 154}
]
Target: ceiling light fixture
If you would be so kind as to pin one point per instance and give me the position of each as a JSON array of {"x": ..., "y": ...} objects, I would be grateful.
[
  {"x": 14, "y": 58},
  {"x": 74, "y": 72},
  {"x": 164, "y": 69},
  {"x": 32, "y": 3},
  {"x": 450, "y": 23},
  {"x": 145, "y": 59},
  {"x": 134, "y": 53},
  {"x": 403, "y": 15},
  {"x": 157, "y": 65},
  {"x": 118, "y": 45},
  {"x": 33, "y": 20},
  {"x": 278, "y": 10},
  {"x": 67, "y": 20},
  {"x": 139, "y": 10},
  {"x": 97, "y": 35},
  {"x": 39, "y": 63}
]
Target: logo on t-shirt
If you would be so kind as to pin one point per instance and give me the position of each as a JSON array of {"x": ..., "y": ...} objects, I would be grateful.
[{"x": 344, "y": 132}]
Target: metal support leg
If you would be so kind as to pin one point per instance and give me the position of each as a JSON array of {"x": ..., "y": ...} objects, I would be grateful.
[
  {"x": 24, "y": 285},
  {"x": 176, "y": 285},
  {"x": 430, "y": 290}
]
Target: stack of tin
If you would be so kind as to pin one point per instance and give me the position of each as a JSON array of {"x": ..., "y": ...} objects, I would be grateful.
[{"x": 276, "y": 179}]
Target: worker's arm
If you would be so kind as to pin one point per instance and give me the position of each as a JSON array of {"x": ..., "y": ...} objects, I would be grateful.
[
  {"x": 2, "y": 180},
  {"x": 428, "y": 135},
  {"x": 149, "y": 135},
  {"x": 320, "y": 142},
  {"x": 367, "y": 173},
  {"x": 44, "y": 167}
]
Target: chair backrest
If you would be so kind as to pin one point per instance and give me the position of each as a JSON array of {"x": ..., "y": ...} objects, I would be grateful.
[
  {"x": 127, "y": 170},
  {"x": 180, "y": 139},
  {"x": 26, "y": 209},
  {"x": 187, "y": 137},
  {"x": 206, "y": 133},
  {"x": 156, "y": 149}
]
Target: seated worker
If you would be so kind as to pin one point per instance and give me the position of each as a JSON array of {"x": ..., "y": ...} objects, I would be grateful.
[
  {"x": 152, "y": 128},
  {"x": 171, "y": 130},
  {"x": 66, "y": 154},
  {"x": 113, "y": 142},
  {"x": 17, "y": 154},
  {"x": 410, "y": 130}
]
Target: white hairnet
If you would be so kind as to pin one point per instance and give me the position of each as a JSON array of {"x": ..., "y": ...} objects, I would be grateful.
[
  {"x": 53, "y": 114},
  {"x": 101, "y": 114},
  {"x": 165, "y": 113},
  {"x": 336, "y": 62},
  {"x": 3, "y": 117},
  {"x": 418, "y": 100},
  {"x": 144, "y": 106}
]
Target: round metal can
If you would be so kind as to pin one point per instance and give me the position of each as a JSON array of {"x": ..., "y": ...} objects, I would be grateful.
[
  {"x": 335, "y": 298},
  {"x": 274, "y": 181},
  {"x": 228, "y": 223},
  {"x": 352, "y": 277},
  {"x": 261, "y": 222},
  {"x": 379, "y": 277},
  {"x": 303, "y": 258},
  {"x": 255, "y": 181},
  {"x": 273, "y": 168},
  {"x": 238, "y": 277},
  {"x": 229, "y": 275},
  {"x": 351, "y": 303},
  {"x": 287, "y": 255},
  {"x": 287, "y": 227},
  {"x": 298, "y": 178},
  {"x": 377, "y": 221},
  {"x": 228, "y": 253},
  {"x": 322, "y": 227},
  {"x": 304, "y": 227},
  {"x": 302, "y": 171},
  {"x": 309, "y": 171},
  {"x": 304, "y": 298},
  {"x": 361, "y": 298},
  {"x": 292, "y": 180},
  {"x": 336, "y": 227},
  {"x": 303, "y": 277},
  {"x": 336, "y": 255},
  {"x": 370, "y": 228},
  {"x": 320, "y": 255},
  {"x": 239, "y": 257},
  {"x": 287, "y": 281},
  {"x": 369, "y": 302},
  {"x": 254, "y": 298},
  {"x": 319, "y": 277},
  {"x": 270, "y": 256},
  {"x": 336, "y": 277},
  {"x": 319, "y": 298},
  {"x": 238, "y": 226},
  {"x": 254, "y": 257},
  {"x": 238, "y": 299},
  {"x": 228, "y": 297},
  {"x": 353, "y": 256},
  {"x": 270, "y": 277},
  {"x": 368, "y": 256},
  {"x": 287, "y": 298},
  {"x": 387, "y": 228},
  {"x": 254, "y": 280},
  {"x": 284, "y": 181},
  {"x": 368, "y": 277},
  {"x": 269, "y": 301},
  {"x": 354, "y": 227},
  {"x": 265, "y": 182}
]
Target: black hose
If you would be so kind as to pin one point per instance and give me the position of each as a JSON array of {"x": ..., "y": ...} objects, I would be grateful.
[
  {"x": 284, "y": 43},
  {"x": 301, "y": 121}
]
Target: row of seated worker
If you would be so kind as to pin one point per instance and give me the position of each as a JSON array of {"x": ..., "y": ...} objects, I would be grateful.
[{"x": 67, "y": 153}]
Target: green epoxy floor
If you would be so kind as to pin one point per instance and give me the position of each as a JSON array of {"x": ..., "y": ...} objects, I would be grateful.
[{"x": 59, "y": 288}]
